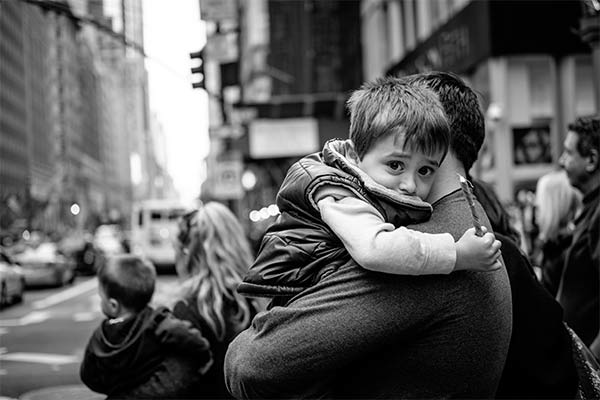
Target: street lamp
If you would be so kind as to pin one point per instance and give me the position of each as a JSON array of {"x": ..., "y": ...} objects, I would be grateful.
[{"x": 75, "y": 209}]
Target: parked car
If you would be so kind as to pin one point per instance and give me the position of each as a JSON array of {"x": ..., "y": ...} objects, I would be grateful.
[
  {"x": 46, "y": 265},
  {"x": 12, "y": 280},
  {"x": 81, "y": 249}
]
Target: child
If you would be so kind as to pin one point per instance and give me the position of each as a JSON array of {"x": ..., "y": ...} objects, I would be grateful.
[
  {"x": 352, "y": 200},
  {"x": 140, "y": 352}
]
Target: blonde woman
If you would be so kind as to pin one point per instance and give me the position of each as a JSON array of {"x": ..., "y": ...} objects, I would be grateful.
[
  {"x": 213, "y": 255},
  {"x": 557, "y": 204}
]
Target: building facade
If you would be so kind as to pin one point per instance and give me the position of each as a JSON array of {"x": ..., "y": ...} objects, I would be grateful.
[{"x": 526, "y": 60}]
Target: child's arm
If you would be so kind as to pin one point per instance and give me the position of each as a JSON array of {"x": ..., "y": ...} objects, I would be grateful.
[
  {"x": 181, "y": 335},
  {"x": 378, "y": 246}
]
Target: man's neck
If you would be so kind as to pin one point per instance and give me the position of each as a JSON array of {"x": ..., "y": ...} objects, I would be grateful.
[
  {"x": 446, "y": 180},
  {"x": 592, "y": 183}
]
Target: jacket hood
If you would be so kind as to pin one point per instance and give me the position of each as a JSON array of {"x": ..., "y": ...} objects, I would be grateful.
[{"x": 335, "y": 153}]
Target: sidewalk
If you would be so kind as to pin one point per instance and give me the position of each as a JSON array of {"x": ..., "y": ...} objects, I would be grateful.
[{"x": 67, "y": 392}]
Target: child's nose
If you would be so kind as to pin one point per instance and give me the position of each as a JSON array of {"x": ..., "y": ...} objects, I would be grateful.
[{"x": 408, "y": 185}]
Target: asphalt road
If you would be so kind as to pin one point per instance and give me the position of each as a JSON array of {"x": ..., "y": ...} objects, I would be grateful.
[{"x": 42, "y": 340}]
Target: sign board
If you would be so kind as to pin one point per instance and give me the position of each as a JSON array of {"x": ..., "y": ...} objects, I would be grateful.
[
  {"x": 218, "y": 10},
  {"x": 222, "y": 47},
  {"x": 242, "y": 115},
  {"x": 228, "y": 180},
  {"x": 270, "y": 138},
  {"x": 226, "y": 131}
]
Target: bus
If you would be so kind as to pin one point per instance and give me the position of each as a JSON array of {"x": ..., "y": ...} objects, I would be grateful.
[{"x": 154, "y": 230}]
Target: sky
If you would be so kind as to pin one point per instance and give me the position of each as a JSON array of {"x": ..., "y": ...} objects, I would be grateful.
[{"x": 172, "y": 30}]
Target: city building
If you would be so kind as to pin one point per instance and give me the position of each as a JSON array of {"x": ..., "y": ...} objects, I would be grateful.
[{"x": 525, "y": 58}]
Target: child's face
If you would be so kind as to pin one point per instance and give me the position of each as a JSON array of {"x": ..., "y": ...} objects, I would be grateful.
[{"x": 406, "y": 172}]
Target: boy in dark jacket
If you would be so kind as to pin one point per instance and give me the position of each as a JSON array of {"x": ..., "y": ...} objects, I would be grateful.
[
  {"x": 352, "y": 201},
  {"x": 138, "y": 351}
]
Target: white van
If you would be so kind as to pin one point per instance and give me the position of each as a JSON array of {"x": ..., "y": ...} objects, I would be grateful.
[{"x": 154, "y": 229}]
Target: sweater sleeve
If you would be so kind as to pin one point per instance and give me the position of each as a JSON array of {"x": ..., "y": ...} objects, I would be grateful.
[{"x": 377, "y": 246}]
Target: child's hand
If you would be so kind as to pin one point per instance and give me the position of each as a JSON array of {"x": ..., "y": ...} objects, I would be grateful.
[{"x": 478, "y": 253}]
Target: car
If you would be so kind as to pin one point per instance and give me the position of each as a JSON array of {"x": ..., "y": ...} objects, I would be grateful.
[
  {"x": 12, "y": 280},
  {"x": 46, "y": 265},
  {"x": 80, "y": 247},
  {"x": 108, "y": 240}
]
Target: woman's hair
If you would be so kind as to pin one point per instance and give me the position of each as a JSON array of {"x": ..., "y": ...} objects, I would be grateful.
[
  {"x": 557, "y": 203},
  {"x": 215, "y": 256}
]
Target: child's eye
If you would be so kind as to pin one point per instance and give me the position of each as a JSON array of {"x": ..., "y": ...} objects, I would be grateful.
[
  {"x": 426, "y": 171},
  {"x": 395, "y": 165}
]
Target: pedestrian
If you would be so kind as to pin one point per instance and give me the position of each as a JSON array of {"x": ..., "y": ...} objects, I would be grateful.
[
  {"x": 137, "y": 351},
  {"x": 212, "y": 255},
  {"x": 579, "y": 288},
  {"x": 556, "y": 206},
  {"x": 386, "y": 165},
  {"x": 360, "y": 334}
]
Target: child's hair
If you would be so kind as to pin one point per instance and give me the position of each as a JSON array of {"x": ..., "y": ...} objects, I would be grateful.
[
  {"x": 217, "y": 256},
  {"x": 389, "y": 106},
  {"x": 557, "y": 203},
  {"x": 128, "y": 279}
]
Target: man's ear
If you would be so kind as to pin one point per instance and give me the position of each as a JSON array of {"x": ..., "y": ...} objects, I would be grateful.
[{"x": 592, "y": 164}]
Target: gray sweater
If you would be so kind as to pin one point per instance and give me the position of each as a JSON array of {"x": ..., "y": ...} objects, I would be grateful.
[{"x": 363, "y": 334}]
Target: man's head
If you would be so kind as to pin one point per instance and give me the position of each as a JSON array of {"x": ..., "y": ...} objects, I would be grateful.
[
  {"x": 126, "y": 285},
  {"x": 581, "y": 151},
  {"x": 400, "y": 134},
  {"x": 461, "y": 105}
]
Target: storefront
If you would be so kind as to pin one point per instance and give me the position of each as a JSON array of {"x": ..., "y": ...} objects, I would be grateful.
[{"x": 534, "y": 76}]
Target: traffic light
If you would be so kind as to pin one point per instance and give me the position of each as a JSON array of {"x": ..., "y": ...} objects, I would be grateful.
[{"x": 198, "y": 70}]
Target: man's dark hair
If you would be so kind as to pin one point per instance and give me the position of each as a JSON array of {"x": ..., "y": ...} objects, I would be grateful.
[
  {"x": 129, "y": 280},
  {"x": 463, "y": 110},
  {"x": 467, "y": 134},
  {"x": 588, "y": 133},
  {"x": 389, "y": 106}
]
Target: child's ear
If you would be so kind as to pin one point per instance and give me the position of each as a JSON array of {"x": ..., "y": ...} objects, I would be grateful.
[{"x": 114, "y": 307}]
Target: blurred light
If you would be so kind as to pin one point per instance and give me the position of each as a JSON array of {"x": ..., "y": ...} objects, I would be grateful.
[
  {"x": 254, "y": 216},
  {"x": 494, "y": 112},
  {"x": 135, "y": 165},
  {"x": 26, "y": 235},
  {"x": 164, "y": 233},
  {"x": 75, "y": 209},
  {"x": 273, "y": 210},
  {"x": 264, "y": 213},
  {"x": 248, "y": 180}
]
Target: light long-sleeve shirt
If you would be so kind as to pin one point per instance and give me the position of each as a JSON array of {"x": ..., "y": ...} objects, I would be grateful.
[{"x": 378, "y": 246}]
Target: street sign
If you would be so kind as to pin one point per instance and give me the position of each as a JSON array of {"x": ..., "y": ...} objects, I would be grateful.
[
  {"x": 242, "y": 115},
  {"x": 218, "y": 10},
  {"x": 226, "y": 131},
  {"x": 222, "y": 47},
  {"x": 228, "y": 180}
]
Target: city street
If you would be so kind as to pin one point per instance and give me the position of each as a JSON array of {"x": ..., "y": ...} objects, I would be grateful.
[{"x": 42, "y": 340}]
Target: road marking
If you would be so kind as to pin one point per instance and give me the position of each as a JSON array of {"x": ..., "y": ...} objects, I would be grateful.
[
  {"x": 65, "y": 294},
  {"x": 85, "y": 316},
  {"x": 33, "y": 317},
  {"x": 41, "y": 358}
]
